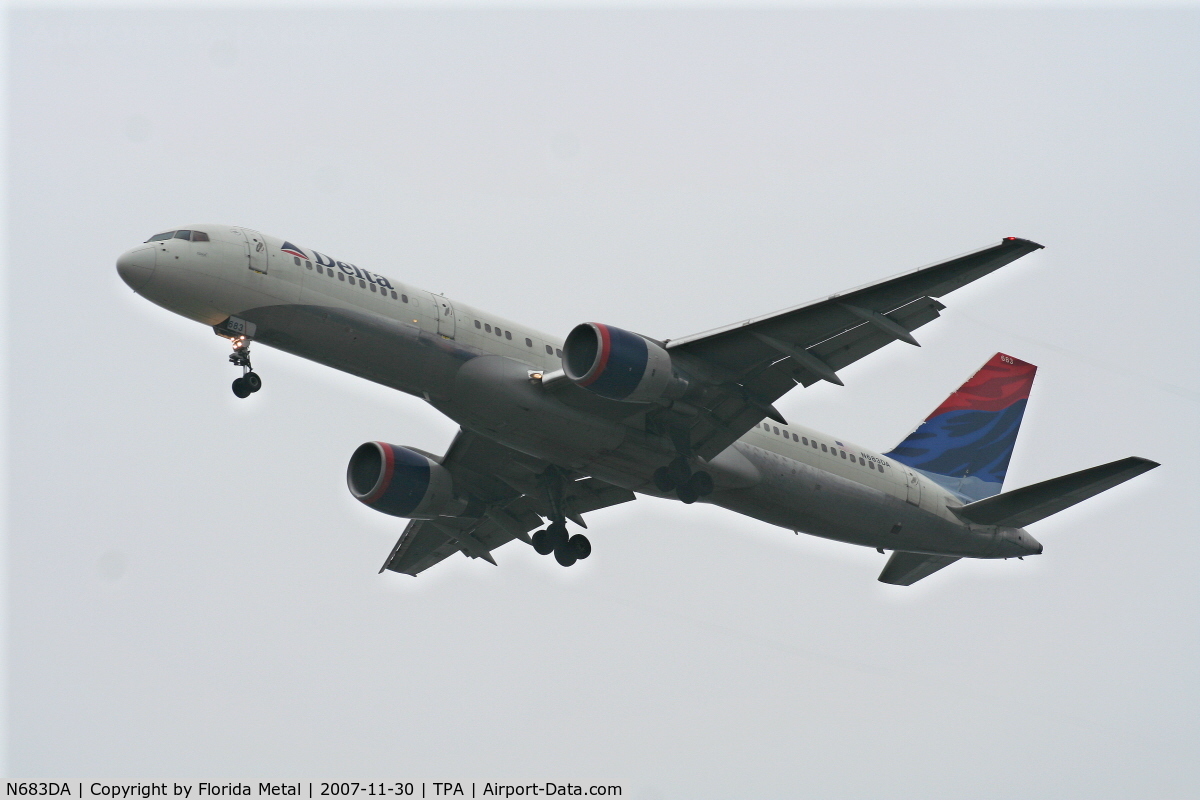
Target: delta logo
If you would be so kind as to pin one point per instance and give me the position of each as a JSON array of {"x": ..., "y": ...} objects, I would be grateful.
[
  {"x": 328, "y": 263},
  {"x": 292, "y": 250}
]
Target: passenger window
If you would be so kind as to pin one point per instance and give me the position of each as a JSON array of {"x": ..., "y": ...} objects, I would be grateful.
[
  {"x": 498, "y": 331},
  {"x": 871, "y": 464},
  {"x": 529, "y": 342},
  {"x": 341, "y": 276},
  {"x": 403, "y": 298},
  {"x": 199, "y": 236},
  {"x": 362, "y": 284},
  {"x": 487, "y": 327},
  {"x": 393, "y": 295},
  {"x": 319, "y": 270},
  {"x": 508, "y": 334},
  {"x": 296, "y": 259},
  {"x": 373, "y": 289},
  {"x": 824, "y": 449},
  {"x": 185, "y": 235},
  {"x": 804, "y": 439},
  {"x": 843, "y": 454},
  {"x": 478, "y": 324},
  {"x": 558, "y": 352},
  {"x": 777, "y": 431},
  {"x": 549, "y": 350}
]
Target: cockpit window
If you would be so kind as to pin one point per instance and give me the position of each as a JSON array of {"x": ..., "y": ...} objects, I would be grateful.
[
  {"x": 158, "y": 237},
  {"x": 185, "y": 235},
  {"x": 199, "y": 236}
]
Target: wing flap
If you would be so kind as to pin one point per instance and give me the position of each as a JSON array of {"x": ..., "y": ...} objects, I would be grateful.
[
  {"x": 905, "y": 569},
  {"x": 419, "y": 548},
  {"x": 1027, "y": 505},
  {"x": 851, "y": 345}
]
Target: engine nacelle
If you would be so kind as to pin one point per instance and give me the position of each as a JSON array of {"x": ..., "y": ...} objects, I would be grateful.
[
  {"x": 620, "y": 365},
  {"x": 401, "y": 482}
]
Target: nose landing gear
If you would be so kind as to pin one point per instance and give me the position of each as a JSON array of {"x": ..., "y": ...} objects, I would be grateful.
[{"x": 250, "y": 382}]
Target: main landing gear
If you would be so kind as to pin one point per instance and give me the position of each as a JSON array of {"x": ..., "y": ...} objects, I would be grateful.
[
  {"x": 678, "y": 477},
  {"x": 249, "y": 383},
  {"x": 567, "y": 549}
]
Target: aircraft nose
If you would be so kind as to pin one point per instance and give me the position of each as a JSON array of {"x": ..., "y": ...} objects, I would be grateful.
[{"x": 136, "y": 266}]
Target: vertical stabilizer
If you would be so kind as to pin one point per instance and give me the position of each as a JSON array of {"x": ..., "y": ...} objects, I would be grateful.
[{"x": 965, "y": 445}]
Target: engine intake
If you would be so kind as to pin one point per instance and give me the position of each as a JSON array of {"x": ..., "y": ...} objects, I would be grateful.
[
  {"x": 619, "y": 364},
  {"x": 401, "y": 482}
]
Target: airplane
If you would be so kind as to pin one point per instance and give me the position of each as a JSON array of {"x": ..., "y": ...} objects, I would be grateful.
[{"x": 552, "y": 429}]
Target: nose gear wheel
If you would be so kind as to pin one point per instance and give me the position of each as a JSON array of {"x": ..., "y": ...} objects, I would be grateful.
[{"x": 250, "y": 382}]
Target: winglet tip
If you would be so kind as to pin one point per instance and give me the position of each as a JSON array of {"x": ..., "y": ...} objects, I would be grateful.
[{"x": 1025, "y": 241}]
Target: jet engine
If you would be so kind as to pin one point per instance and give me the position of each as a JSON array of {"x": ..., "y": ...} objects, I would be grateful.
[
  {"x": 620, "y": 365},
  {"x": 401, "y": 482}
]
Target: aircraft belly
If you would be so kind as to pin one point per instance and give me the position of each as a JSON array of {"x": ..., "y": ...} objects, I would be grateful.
[
  {"x": 495, "y": 396},
  {"x": 805, "y": 499},
  {"x": 383, "y": 350}
]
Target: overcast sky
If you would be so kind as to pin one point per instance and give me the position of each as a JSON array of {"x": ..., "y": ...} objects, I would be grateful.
[{"x": 193, "y": 592}]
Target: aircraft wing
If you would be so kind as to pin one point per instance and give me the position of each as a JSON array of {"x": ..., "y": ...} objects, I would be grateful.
[
  {"x": 751, "y": 364},
  {"x": 506, "y": 502},
  {"x": 905, "y": 569}
]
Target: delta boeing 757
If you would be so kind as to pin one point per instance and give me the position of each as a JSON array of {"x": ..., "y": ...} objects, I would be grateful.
[{"x": 552, "y": 429}]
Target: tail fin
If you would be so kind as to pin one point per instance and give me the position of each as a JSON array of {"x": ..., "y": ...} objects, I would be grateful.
[{"x": 965, "y": 445}]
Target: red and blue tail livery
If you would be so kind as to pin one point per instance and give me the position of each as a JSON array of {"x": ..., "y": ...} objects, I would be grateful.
[{"x": 965, "y": 445}]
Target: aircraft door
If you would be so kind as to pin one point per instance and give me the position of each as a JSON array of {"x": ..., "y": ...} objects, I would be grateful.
[
  {"x": 445, "y": 312},
  {"x": 914, "y": 487},
  {"x": 256, "y": 250}
]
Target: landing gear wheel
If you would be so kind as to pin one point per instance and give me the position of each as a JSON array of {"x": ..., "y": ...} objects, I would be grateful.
[
  {"x": 580, "y": 546},
  {"x": 249, "y": 383},
  {"x": 542, "y": 544},
  {"x": 687, "y": 494},
  {"x": 701, "y": 483},
  {"x": 556, "y": 536},
  {"x": 663, "y": 480},
  {"x": 565, "y": 555},
  {"x": 679, "y": 471}
]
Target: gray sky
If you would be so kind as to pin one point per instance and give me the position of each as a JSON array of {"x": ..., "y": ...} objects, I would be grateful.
[{"x": 192, "y": 590}]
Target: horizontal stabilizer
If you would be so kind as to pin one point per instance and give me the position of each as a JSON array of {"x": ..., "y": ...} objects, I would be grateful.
[
  {"x": 905, "y": 569},
  {"x": 1027, "y": 505}
]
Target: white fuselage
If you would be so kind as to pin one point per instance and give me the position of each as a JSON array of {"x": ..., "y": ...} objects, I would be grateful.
[{"x": 476, "y": 368}]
